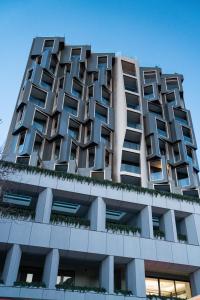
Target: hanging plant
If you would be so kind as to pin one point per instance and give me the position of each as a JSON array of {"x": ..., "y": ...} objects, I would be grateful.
[
  {"x": 122, "y": 228},
  {"x": 11, "y": 211},
  {"x": 159, "y": 233},
  {"x": 30, "y": 284},
  {"x": 106, "y": 183},
  {"x": 83, "y": 289},
  {"x": 69, "y": 220}
]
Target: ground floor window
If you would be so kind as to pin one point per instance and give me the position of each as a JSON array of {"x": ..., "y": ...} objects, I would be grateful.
[{"x": 168, "y": 288}]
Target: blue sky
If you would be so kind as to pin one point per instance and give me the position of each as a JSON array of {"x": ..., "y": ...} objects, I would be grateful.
[{"x": 163, "y": 33}]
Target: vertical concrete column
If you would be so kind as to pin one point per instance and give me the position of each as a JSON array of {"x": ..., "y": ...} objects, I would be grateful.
[
  {"x": 51, "y": 268},
  {"x": 97, "y": 214},
  {"x": 197, "y": 225},
  {"x": 107, "y": 274},
  {"x": 44, "y": 204},
  {"x": 190, "y": 228},
  {"x": 168, "y": 225},
  {"x": 195, "y": 283},
  {"x": 135, "y": 277},
  {"x": 11, "y": 266},
  {"x": 145, "y": 222}
]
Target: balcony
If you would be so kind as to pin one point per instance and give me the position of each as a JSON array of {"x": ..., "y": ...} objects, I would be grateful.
[
  {"x": 131, "y": 145},
  {"x": 130, "y": 168}
]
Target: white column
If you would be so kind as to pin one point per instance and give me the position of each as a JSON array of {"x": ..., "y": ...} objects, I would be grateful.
[
  {"x": 145, "y": 222},
  {"x": 51, "y": 268},
  {"x": 97, "y": 214},
  {"x": 195, "y": 283},
  {"x": 107, "y": 274},
  {"x": 11, "y": 266},
  {"x": 44, "y": 204},
  {"x": 168, "y": 225},
  {"x": 135, "y": 277},
  {"x": 191, "y": 231}
]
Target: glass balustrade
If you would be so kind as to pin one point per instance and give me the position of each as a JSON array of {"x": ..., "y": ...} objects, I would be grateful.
[
  {"x": 162, "y": 132},
  {"x": 133, "y": 106},
  {"x": 101, "y": 117},
  {"x": 183, "y": 182},
  {"x": 149, "y": 96},
  {"x": 134, "y": 125},
  {"x": 130, "y": 168},
  {"x": 181, "y": 121},
  {"x": 131, "y": 145}
]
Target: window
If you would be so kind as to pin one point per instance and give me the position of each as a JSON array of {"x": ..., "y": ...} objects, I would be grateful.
[
  {"x": 21, "y": 141},
  {"x": 38, "y": 145},
  {"x": 74, "y": 151},
  {"x": 101, "y": 113},
  {"x": 182, "y": 176},
  {"x": 61, "y": 83},
  {"x": 130, "y": 84},
  {"x": 53, "y": 63},
  {"x": 128, "y": 68},
  {"x": 148, "y": 145},
  {"x": 91, "y": 157},
  {"x": 61, "y": 167},
  {"x": 161, "y": 128},
  {"x": 180, "y": 116},
  {"x": 105, "y": 99},
  {"x": 186, "y": 135},
  {"x": 66, "y": 277},
  {"x": 148, "y": 92},
  {"x": 172, "y": 83},
  {"x": 75, "y": 54},
  {"x": 77, "y": 90},
  {"x": 132, "y": 101},
  {"x": 55, "y": 125},
  {"x": 155, "y": 109},
  {"x": 73, "y": 129},
  {"x": 168, "y": 288},
  {"x": 176, "y": 152},
  {"x": 70, "y": 105},
  {"x": 156, "y": 170},
  {"x": 150, "y": 77},
  {"x": 88, "y": 132},
  {"x": 38, "y": 97},
  {"x": 56, "y": 150},
  {"x": 170, "y": 97},
  {"x": 90, "y": 92},
  {"x": 20, "y": 115},
  {"x": 46, "y": 80},
  {"x": 48, "y": 44},
  {"x": 189, "y": 155},
  {"x": 81, "y": 70},
  {"x": 105, "y": 136},
  {"x": 107, "y": 158},
  {"x": 23, "y": 160},
  {"x": 40, "y": 122},
  {"x": 29, "y": 74},
  {"x": 102, "y": 62},
  {"x": 18, "y": 199}
]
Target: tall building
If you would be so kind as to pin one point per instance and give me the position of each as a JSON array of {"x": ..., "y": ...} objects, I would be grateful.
[
  {"x": 103, "y": 116},
  {"x": 70, "y": 237}
]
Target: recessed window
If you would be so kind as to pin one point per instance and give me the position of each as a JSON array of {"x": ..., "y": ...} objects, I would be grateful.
[
  {"x": 46, "y": 80},
  {"x": 155, "y": 109},
  {"x": 55, "y": 125},
  {"x": 133, "y": 120},
  {"x": 77, "y": 90},
  {"x": 61, "y": 83},
  {"x": 148, "y": 92},
  {"x": 107, "y": 158},
  {"x": 180, "y": 116},
  {"x": 20, "y": 115},
  {"x": 23, "y": 160},
  {"x": 105, "y": 99},
  {"x": 128, "y": 68},
  {"x": 90, "y": 91},
  {"x": 187, "y": 134},
  {"x": 182, "y": 176},
  {"x": 172, "y": 83},
  {"x": 176, "y": 152},
  {"x": 74, "y": 152},
  {"x": 53, "y": 63},
  {"x": 170, "y": 97},
  {"x": 21, "y": 141},
  {"x": 81, "y": 70},
  {"x": 38, "y": 145},
  {"x": 101, "y": 113},
  {"x": 75, "y": 53},
  {"x": 161, "y": 128},
  {"x": 88, "y": 132},
  {"x": 189, "y": 155},
  {"x": 130, "y": 84},
  {"x": 70, "y": 105},
  {"x": 105, "y": 136},
  {"x": 40, "y": 121},
  {"x": 91, "y": 157},
  {"x": 148, "y": 145},
  {"x": 150, "y": 77},
  {"x": 38, "y": 97},
  {"x": 61, "y": 167},
  {"x": 132, "y": 101},
  {"x": 156, "y": 170},
  {"x": 18, "y": 199},
  {"x": 56, "y": 150},
  {"x": 102, "y": 62},
  {"x": 29, "y": 74},
  {"x": 48, "y": 44},
  {"x": 73, "y": 129}
]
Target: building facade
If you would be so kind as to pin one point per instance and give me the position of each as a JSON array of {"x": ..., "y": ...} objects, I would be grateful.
[{"x": 103, "y": 116}]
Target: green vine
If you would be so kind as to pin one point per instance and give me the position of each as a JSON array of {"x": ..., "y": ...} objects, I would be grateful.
[
  {"x": 83, "y": 179},
  {"x": 8, "y": 210},
  {"x": 158, "y": 233},
  {"x": 82, "y": 289},
  {"x": 122, "y": 228},
  {"x": 124, "y": 292},
  {"x": 182, "y": 237},
  {"x": 69, "y": 220},
  {"x": 30, "y": 284}
]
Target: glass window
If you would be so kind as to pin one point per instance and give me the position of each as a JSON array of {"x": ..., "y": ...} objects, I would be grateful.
[
  {"x": 167, "y": 288},
  {"x": 152, "y": 287},
  {"x": 183, "y": 289}
]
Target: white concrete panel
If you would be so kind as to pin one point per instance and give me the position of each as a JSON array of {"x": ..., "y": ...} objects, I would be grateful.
[
  {"x": 5, "y": 225},
  {"x": 83, "y": 188},
  {"x": 79, "y": 239},
  {"x": 145, "y": 199},
  {"x": 114, "y": 193},
  {"x": 95, "y": 296},
  {"x": 159, "y": 201},
  {"x": 114, "y": 245},
  {"x": 74, "y": 296},
  {"x": 193, "y": 255},
  {"x": 187, "y": 206},
  {"x": 164, "y": 251},
  {"x": 173, "y": 204},
  {"x": 129, "y": 196},
  {"x": 98, "y": 191},
  {"x": 20, "y": 232},
  {"x": 6, "y": 291},
  {"x": 60, "y": 236},
  {"x": 31, "y": 293},
  {"x": 48, "y": 181},
  {"x": 97, "y": 242},
  {"x": 52, "y": 295},
  {"x": 65, "y": 185},
  {"x": 131, "y": 246},
  {"x": 179, "y": 253},
  {"x": 30, "y": 178},
  {"x": 148, "y": 249},
  {"x": 40, "y": 235}
]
